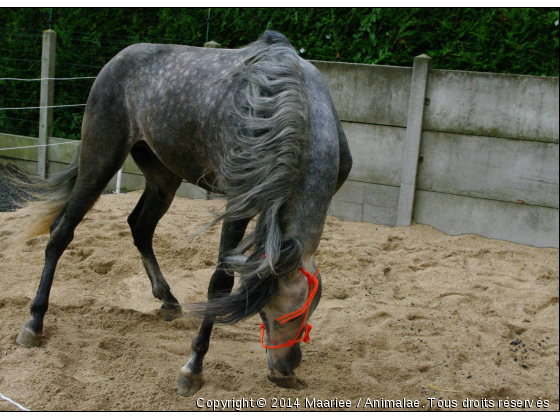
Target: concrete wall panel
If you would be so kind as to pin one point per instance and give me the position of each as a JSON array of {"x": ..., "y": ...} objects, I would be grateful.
[
  {"x": 380, "y": 204},
  {"x": 455, "y": 215},
  {"x": 377, "y": 152},
  {"x": 368, "y": 94},
  {"x": 493, "y": 168},
  {"x": 366, "y": 202},
  {"x": 495, "y": 105},
  {"x": 9, "y": 141}
]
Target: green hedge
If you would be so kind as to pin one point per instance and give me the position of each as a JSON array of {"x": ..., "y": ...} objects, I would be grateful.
[{"x": 520, "y": 41}]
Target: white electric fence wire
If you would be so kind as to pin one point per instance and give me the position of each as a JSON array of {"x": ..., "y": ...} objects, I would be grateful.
[
  {"x": 40, "y": 107},
  {"x": 41, "y": 145},
  {"x": 21, "y": 407},
  {"x": 47, "y": 78}
]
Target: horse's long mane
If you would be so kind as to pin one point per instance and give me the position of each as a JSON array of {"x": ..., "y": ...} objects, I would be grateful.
[{"x": 263, "y": 169}]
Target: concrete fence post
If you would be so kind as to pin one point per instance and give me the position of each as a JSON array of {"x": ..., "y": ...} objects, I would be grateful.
[
  {"x": 420, "y": 71},
  {"x": 47, "y": 98}
]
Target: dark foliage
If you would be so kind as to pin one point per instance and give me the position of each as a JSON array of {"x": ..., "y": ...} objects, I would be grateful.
[{"x": 520, "y": 41}]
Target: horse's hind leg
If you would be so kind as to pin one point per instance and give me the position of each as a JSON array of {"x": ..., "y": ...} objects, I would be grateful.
[
  {"x": 190, "y": 378},
  {"x": 93, "y": 176},
  {"x": 161, "y": 185}
]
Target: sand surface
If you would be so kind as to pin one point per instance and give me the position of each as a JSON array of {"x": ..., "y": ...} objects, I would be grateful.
[{"x": 406, "y": 313}]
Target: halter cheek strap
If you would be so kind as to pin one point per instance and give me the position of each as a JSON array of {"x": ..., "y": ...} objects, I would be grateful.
[{"x": 313, "y": 287}]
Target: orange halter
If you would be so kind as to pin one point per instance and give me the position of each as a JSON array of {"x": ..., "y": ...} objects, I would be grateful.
[{"x": 313, "y": 287}]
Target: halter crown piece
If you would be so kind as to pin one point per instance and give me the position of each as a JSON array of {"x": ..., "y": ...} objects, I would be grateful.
[{"x": 313, "y": 287}]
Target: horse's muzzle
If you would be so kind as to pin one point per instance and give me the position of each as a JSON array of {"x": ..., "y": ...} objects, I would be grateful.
[
  {"x": 282, "y": 381},
  {"x": 282, "y": 371}
]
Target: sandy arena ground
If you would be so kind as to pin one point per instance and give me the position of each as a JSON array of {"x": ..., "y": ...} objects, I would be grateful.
[{"x": 406, "y": 313}]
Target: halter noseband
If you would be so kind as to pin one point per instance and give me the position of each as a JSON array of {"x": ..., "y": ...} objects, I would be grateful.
[{"x": 313, "y": 287}]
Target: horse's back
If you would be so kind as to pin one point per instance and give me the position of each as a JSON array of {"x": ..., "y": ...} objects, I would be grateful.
[
  {"x": 178, "y": 100},
  {"x": 143, "y": 72},
  {"x": 169, "y": 96}
]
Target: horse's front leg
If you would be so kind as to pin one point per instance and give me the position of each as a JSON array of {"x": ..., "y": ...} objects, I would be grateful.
[{"x": 190, "y": 378}]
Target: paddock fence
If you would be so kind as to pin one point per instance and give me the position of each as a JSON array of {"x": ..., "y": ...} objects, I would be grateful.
[{"x": 461, "y": 151}]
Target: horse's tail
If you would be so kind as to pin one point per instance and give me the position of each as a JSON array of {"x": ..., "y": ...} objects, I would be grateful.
[
  {"x": 44, "y": 199},
  {"x": 267, "y": 160}
]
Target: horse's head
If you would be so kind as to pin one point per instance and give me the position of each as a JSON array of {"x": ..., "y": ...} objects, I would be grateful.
[
  {"x": 285, "y": 304},
  {"x": 285, "y": 323}
]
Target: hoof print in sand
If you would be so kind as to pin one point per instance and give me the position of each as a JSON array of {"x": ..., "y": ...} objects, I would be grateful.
[{"x": 102, "y": 267}]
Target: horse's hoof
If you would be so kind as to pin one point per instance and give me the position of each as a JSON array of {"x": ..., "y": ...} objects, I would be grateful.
[
  {"x": 169, "y": 314},
  {"x": 188, "y": 383},
  {"x": 28, "y": 338},
  {"x": 289, "y": 382}
]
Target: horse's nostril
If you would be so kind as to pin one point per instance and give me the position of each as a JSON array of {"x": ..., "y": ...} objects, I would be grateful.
[
  {"x": 287, "y": 365},
  {"x": 281, "y": 369}
]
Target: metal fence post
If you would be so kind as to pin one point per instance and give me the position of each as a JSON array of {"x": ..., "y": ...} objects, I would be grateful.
[
  {"x": 47, "y": 97},
  {"x": 411, "y": 154}
]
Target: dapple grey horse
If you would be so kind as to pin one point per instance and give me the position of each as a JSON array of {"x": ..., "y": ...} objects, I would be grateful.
[{"x": 255, "y": 124}]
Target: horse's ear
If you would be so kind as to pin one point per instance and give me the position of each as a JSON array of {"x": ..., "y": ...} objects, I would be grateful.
[{"x": 235, "y": 259}]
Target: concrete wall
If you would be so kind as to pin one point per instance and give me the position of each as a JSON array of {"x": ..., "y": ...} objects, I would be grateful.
[
  {"x": 489, "y": 157},
  {"x": 489, "y": 150},
  {"x": 59, "y": 156}
]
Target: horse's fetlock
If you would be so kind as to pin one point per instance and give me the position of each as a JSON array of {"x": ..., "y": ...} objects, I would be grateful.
[
  {"x": 38, "y": 309},
  {"x": 200, "y": 349},
  {"x": 160, "y": 291},
  {"x": 35, "y": 325}
]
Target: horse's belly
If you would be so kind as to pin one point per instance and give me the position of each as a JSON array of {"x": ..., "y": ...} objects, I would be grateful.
[{"x": 187, "y": 157}]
